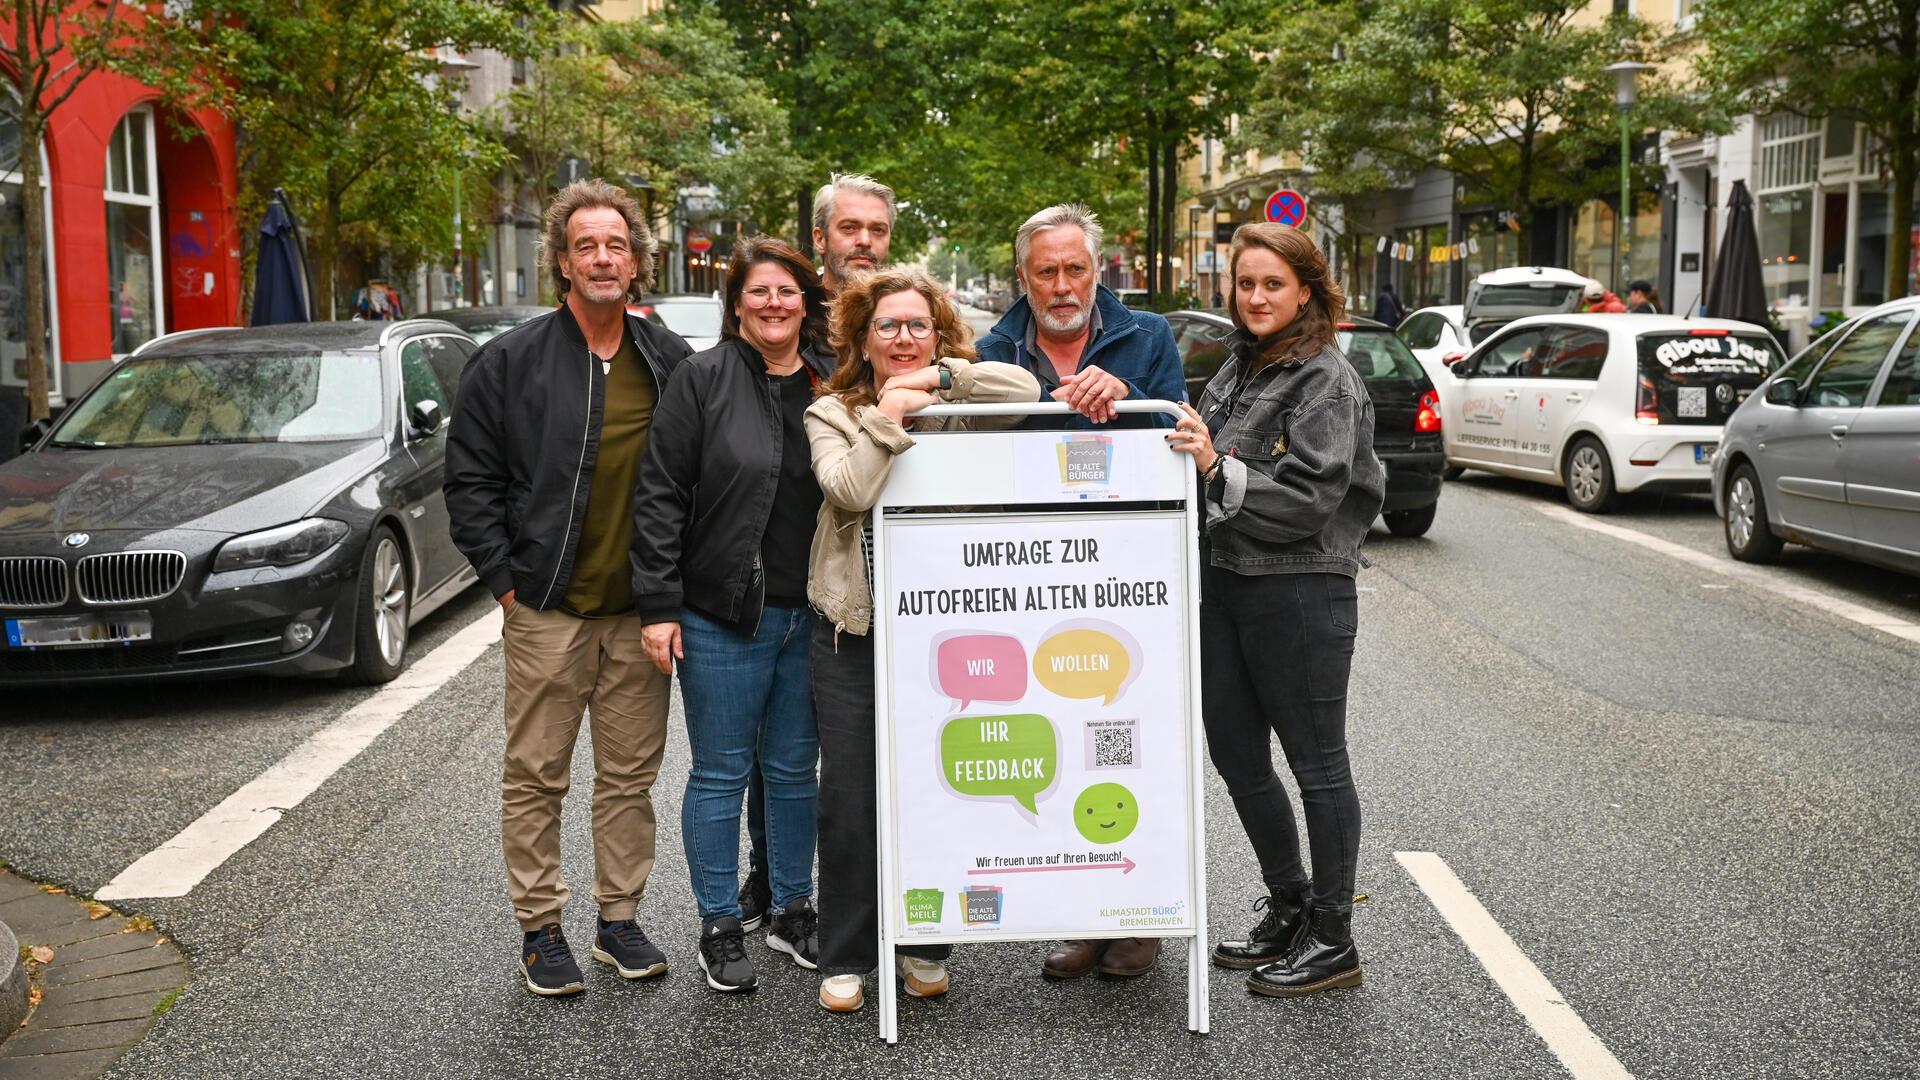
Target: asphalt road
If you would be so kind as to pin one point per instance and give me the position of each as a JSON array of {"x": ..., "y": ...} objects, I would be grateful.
[{"x": 1688, "y": 801}]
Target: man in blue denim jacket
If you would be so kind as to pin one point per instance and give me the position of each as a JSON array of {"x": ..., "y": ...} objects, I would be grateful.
[{"x": 1086, "y": 347}]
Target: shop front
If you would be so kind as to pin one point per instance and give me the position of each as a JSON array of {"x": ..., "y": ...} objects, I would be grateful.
[{"x": 141, "y": 236}]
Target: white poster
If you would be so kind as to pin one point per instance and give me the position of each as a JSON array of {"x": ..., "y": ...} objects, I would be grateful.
[{"x": 1038, "y": 702}]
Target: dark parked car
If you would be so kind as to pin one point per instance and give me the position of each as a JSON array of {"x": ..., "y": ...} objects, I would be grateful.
[
  {"x": 1406, "y": 409},
  {"x": 481, "y": 323},
  {"x": 227, "y": 500}
]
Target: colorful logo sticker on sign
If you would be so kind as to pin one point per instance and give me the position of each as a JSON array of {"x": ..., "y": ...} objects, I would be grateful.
[
  {"x": 1085, "y": 460},
  {"x": 980, "y": 905},
  {"x": 924, "y": 905}
]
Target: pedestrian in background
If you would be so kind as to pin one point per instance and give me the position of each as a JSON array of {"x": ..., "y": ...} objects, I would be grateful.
[
  {"x": 1387, "y": 307},
  {"x": 547, "y": 434},
  {"x": 727, "y": 503},
  {"x": 1642, "y": 297},
  {"x": 888, "y": 328},
  {"x": 1598, "y": 299},
  {"x": 1283, "y": 441}
]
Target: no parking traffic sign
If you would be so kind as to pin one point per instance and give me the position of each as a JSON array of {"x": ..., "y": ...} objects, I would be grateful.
[{"x": 1288, "y": 207}]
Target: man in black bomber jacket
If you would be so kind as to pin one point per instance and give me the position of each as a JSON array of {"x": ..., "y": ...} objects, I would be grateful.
[{"x": 547, "y": 436}]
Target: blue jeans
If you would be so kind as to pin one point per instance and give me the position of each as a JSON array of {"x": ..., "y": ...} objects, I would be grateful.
[{"x": 748, "y": 699}]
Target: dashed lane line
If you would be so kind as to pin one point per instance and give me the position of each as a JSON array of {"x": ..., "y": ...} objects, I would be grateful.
[
  {"x": 177, "y": 866},
  {"x": 1578, "y": 1048},
  {"x": 1759, "y": 579}
]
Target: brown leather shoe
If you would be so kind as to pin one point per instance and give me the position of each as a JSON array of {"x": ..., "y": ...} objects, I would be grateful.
[
  {"x": 1130, "y": 956},
  {"x": 1072, "y": 959}
]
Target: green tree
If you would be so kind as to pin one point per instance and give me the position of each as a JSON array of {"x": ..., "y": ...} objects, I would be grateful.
[
  {"x": 51, "y": 54},
  {"x": 345, "y": 103},
  {"x": 1510, "y": 96},
  {"x": 1858, "y": 58}
]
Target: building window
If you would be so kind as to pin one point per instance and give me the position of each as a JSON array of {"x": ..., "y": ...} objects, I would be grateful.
[
  {"x": 1789, "y": 149},
  {"x": 1594, "y": 253},
  {"x": 1420, "y": 277},
  {"x": 13, "y": 273},
  {"x": 135, "y": 300},
  {"x": 1493, "y": 241},
  {"x": 1786, "y": 238}
]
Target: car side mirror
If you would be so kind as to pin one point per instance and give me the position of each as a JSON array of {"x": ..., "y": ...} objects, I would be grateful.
[
  {"x": 424, "y": 418},
  {"x": 1783, "y": 391},
  {"x": 1453, "y": 362},
  {"x": 33, "y": 433}
]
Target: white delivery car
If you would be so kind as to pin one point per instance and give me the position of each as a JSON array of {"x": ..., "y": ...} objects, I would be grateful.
[
  {"x": 1495, "y": 298},
  {"x": 1602, "y": 404}
]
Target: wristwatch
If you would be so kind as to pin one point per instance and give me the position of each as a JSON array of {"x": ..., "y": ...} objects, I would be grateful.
[{"x": 946, "y": 377}]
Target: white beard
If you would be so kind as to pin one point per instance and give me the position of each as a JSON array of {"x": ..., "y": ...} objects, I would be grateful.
[{"x": 1072, "y": 324}]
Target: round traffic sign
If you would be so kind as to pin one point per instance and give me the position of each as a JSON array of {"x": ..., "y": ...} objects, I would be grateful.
[
  {"x": 1287, "y": 207},
  {"x": 698, "y": 242}
]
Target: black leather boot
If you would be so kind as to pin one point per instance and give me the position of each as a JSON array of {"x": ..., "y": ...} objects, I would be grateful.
[
  {"x": 1269, "y": 941},
  {"x": 1324, "y": 958}
]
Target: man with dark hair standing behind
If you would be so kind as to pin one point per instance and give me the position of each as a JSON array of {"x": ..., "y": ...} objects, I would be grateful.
[
  {"x": 546, "y": 438},
  {"x": 853, "y": 219}
]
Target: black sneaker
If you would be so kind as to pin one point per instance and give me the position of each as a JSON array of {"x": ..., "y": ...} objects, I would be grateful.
[
  {"x": 756, "y": 896},
  {"x": 796, "y": 932},
  {"x": 624, "y": 945},
  {"x": 723, "y": 956},
  {"x": 548, "y": 964}
]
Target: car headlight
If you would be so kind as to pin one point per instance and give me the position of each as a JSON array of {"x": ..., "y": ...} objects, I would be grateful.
[{"x": 283, "y": 545}]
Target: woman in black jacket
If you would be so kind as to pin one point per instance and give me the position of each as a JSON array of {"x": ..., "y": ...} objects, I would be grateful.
[
  {"x": 1290, "y": 492},
  {"x": 724, "y": 515}
]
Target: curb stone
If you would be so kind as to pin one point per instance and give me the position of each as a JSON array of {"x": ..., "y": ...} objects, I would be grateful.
[
  {"x": 109, "y": 978},
  {"x": 13, "y": 983}
]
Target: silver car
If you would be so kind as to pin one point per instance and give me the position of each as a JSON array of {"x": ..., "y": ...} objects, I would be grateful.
[{"x": 1828, "y": 454}]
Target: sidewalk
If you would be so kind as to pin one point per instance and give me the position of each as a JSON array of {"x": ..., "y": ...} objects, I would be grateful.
[{"x": 102, "y": 979}]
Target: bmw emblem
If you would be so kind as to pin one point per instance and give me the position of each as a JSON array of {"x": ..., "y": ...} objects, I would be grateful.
[
  {"x": 1724, "y": 392},
  {"x": 75, "y": 540}
]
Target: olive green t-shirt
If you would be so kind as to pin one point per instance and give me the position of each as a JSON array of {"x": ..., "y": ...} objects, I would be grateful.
[{"x": 602, "y": 582}]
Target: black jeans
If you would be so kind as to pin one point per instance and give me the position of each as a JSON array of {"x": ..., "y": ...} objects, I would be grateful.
[
  {"x": 847, "y": 807},
  {"x": 1275, "y": 653}
]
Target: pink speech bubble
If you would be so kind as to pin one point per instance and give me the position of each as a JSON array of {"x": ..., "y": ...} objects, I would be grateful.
[{"x": 970, "y": 667}]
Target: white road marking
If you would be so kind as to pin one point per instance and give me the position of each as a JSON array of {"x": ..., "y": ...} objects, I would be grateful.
[
  {"x": 1759, "y": 579},
  {"x": 1577, "y": 1047},
  {"x": 175, "y": 867}
]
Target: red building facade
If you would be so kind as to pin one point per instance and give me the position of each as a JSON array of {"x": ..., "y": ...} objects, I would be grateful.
[{"x": 141, "y": 230}]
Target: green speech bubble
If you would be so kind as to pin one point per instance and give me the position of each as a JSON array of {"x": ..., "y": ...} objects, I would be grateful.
[{"x": 1000, "y": 757}]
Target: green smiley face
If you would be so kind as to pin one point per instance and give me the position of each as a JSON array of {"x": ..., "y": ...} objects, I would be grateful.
[{"x": 1106, "y": 813}]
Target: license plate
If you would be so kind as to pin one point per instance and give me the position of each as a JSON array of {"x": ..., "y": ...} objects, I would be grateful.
[
  {"x": 79, "y": 631},
  {"x": 1703, "y": 452}
]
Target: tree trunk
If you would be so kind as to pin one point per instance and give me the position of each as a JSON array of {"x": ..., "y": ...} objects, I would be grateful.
[
  {"x": 1170, "y": 200},
  {"x": 1906, "y": 162},
  {"x": 32, "y": 208},
  {"x": 803, "y": 205},
  {"x": 327, "y": 249},
  {"x": 1153, "y": 220}
]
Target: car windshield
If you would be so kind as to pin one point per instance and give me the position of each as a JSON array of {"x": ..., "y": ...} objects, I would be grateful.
[
  {"x": 696, "y": 318},
  {"x": 228, "y": 398},
  {"x": 1380, "y": 356}
]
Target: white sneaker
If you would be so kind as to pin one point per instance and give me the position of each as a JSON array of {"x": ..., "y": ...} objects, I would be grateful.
[
  {"x": 922, "y": 978},
  {"x": 841, "y": 993}
]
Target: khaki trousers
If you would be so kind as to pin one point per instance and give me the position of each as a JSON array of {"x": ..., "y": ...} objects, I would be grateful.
[{"x": 559, "y": 665}]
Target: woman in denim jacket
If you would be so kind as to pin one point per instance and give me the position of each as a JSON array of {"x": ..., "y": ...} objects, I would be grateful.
[{"x": 1283, "y": 440}]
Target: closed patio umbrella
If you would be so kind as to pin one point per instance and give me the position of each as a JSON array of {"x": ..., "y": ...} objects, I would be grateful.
[
  {"x": 1736, "y": 291},
  {"x": 280, "y": 275}
]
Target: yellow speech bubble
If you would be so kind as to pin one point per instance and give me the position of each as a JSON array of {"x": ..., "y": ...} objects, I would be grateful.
[{"x": 1086, "y": 660}]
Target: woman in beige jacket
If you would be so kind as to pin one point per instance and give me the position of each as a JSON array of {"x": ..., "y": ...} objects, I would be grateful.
[{"x": 888, "y": 328}]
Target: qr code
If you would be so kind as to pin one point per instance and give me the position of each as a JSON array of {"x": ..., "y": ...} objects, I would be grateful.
[
  {"x": 1111, "y": 744},
  {"x": 1692, "y": 401}
]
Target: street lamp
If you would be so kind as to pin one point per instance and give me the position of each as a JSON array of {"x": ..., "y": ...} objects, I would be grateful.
[
  {"x": 1626, "y": 75},
  {"x": 455, "y": 66}
]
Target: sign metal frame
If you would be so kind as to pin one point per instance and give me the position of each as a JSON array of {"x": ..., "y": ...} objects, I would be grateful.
[{"x": 979, "y": 484}]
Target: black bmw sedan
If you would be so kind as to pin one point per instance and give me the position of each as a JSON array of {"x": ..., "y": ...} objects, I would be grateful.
[{"x": 236, "y": 499}]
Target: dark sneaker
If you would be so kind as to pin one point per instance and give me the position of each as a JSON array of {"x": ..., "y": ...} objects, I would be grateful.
[
  {"x": 756, "y": 898},
  {"x": 796, "y": 932},
  {"x": 723, "y": 956},
  {"x": 624, "y": 945},
  {"x": 548, "y": 964}
]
